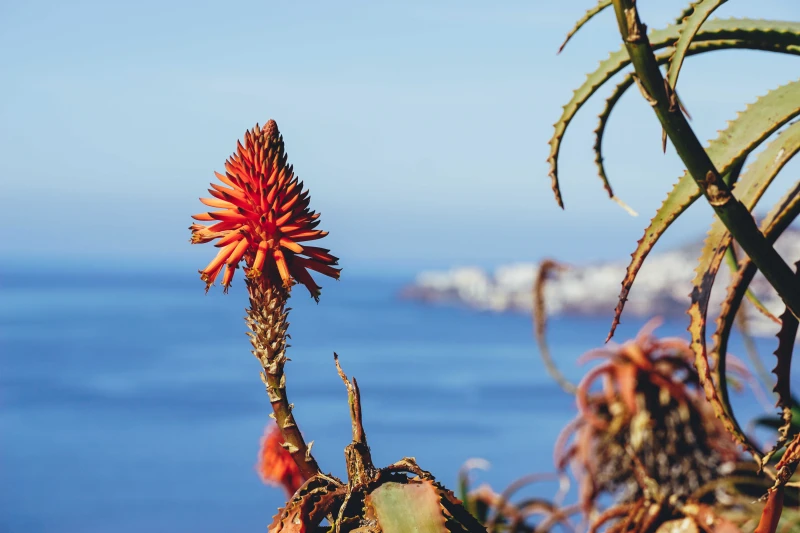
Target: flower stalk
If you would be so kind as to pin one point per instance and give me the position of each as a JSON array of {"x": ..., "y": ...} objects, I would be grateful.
[
  {"x": 262, "y": 218},
  {"x": 664, "y": 101},
  {"x": 266, "y": 319}
]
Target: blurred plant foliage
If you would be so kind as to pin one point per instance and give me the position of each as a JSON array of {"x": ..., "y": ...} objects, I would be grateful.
[{"x": 732, "y": 172}]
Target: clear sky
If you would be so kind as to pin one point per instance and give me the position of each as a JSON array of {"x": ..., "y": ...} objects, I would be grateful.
[{"x": 420, "y": 127}]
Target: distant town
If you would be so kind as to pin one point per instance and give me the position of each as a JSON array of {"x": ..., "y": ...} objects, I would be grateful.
[{"x": 662, "y": 287}]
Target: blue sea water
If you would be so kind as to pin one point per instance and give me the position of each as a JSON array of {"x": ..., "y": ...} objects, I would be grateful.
[{"x": 130, "y": 402}]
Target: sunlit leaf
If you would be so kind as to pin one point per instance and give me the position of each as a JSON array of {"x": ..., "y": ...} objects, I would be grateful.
[
  {"x": 696, "y": 48},
  {"x": 782, "y": 371},
  {"x": 743, "y": 134},
  {"x": 773, "y": 225},
  {"x": 404, "y": 507},
  {"x": 601, "y": 5},
  {"x": 776, "y": 32},
  {"x": 691, "y": 25}
]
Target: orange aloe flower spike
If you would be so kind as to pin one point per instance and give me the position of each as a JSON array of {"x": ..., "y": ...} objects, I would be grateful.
[{"x": 260, "y": 213}]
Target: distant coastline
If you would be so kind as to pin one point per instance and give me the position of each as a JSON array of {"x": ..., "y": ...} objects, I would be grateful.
[{"x": 662, "y": 287}]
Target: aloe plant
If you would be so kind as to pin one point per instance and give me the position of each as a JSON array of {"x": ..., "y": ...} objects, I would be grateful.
[
  {"x": 730, "y": 178},
  {"x": 375, "y": 500},
  {"x": 262, "y": 218}
]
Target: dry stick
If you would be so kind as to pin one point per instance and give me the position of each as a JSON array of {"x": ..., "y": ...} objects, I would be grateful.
[
  {"x": 540, "y": 324},
  {"x": 731, "y": 211},
  {"x": 266, "y": 318},
  {"x": 360, "y": 469}
]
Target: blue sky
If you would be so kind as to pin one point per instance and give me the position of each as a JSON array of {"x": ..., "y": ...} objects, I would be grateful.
[{"x": 420, "y": 127}]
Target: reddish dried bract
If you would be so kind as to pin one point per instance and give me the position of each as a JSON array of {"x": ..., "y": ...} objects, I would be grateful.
[
  {"x": 275, "y": 464},
  {"x": 639, "y": 413},
  {"x": 262, "y": 217}
]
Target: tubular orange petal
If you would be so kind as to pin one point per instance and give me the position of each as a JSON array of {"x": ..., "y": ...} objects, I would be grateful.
[
  {"x": 271, "y": 194},
  {"x": 237, "y": 193},
  {"x": 233, "y": 236},
  {"x": 291, "y": 227},
  {"x": 284, "y": 218},
  {"x": 284, "y": 178},
  {"x": 319, "y": 267},
  {"x": 228, "y": 216},
  {"x": 261, "y": 255},
  {"x": 273, "y": 177},
  {"x": 307, "y": 235},
  {"x": 283, "y": 269},
  {"x": 237, "y": 200},
  {"x": 302, "y": 276},
  {"x": 291, "y": 245},
  {"x": 232, "y": 168},
  {"x": 212, "y": 277},
  {"x": 320, "y": 254},
  {"x": 209, "y": 278},
  {"x": 225, "y": 179},
  {"x": 248, "y": 213},
  {"x": 213, "y": 202},
  {"x": 289, "y": 203},
  {"x": 228, "y": 277},
  {"x": 264, "y": 168},
  {"x": 204, "y": 217},
  {"x": 217, "y": 193},
  {"x": 223, "y": 226},
  {"x": 237, "y": 253},
  {"x": 204, "y": 236},
  {"x": 301, "y": 224},
  {"x": 221, "y": 257},
  {"x": 244, "y": 154}
]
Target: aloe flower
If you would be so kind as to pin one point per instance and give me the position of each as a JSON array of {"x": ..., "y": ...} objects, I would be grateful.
[
  {"x": 261, "y": 217},
  {"x": 275, "y": 465}
]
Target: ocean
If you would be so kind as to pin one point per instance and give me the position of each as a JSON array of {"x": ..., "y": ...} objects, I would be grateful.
[{"x": 130, "y": 402}]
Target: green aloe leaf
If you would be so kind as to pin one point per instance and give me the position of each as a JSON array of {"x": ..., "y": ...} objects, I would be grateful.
[
  {"x": 774, "y": 224},
  {"x": 775, "y": 32},
  {"x": 743, "y": 134},
  {"x": 601, "y": 5},
  {"x": 696, "y": 48},
  {"x": 759, "y": 176},
  {"x": 407, "y": 507},
  {"x": 749, "y": 189},
  {"x": 691, "y": 25},
  {"x": 782, "y": 371}
]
